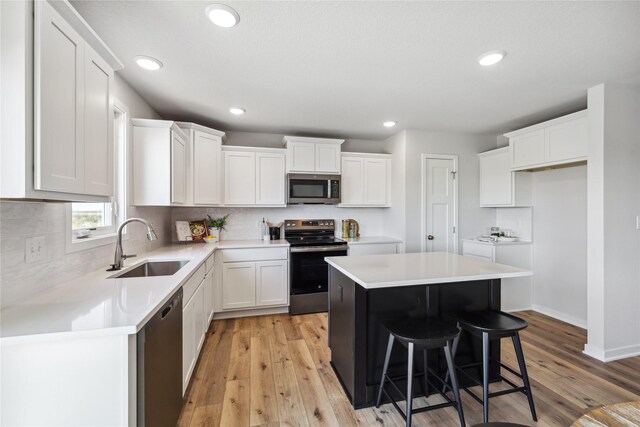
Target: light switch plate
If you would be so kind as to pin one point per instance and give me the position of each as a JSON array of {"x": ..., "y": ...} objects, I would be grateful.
[{"x": 34, "y": 249}]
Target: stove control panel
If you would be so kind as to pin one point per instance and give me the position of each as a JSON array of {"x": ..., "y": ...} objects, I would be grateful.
[{"x": 309, "y": 224}]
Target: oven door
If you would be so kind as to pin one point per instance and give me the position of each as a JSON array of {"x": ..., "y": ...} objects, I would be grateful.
[{"x": 309, "y": 272}]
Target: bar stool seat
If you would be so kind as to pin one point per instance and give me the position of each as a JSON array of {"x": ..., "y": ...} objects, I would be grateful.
[
  {"x": 421, "y": 334},
  {"x": 490, "y": 325}
]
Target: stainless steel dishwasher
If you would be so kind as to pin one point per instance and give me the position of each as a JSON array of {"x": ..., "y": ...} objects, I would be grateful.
[{"x": 159, "y": 366}]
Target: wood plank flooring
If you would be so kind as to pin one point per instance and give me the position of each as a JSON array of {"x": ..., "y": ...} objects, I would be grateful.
[{"x": 274, "y": 371}]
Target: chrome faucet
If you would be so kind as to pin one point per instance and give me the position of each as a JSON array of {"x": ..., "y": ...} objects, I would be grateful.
[{"x": 119, "y": 256}]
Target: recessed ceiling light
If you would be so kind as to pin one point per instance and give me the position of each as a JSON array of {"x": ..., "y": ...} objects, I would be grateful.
[
  {"x": 492, "y": 57},
  {"x": 148, "y": 63},
  {"x": 237, "y": 111},
  {"x": 389, "y": 124},
  {"x": 222, "y": 15}
]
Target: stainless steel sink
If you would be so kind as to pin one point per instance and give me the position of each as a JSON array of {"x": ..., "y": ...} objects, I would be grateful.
[{"x": 152, "y": 269}]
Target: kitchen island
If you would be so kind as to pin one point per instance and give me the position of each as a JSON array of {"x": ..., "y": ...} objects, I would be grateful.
[{"x": 364, "y": 290}]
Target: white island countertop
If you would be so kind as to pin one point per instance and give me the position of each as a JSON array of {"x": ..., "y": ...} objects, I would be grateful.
[
  {"x": 422, "y": 268},
  {"x": 96, "y": 304}
]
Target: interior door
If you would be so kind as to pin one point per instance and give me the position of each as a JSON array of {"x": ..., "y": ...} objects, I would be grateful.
[{"x": 440, "y": 205}]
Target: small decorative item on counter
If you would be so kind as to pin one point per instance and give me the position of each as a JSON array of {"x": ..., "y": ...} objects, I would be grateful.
[
  {"x": 198, "y": 229},
  {"x": 210, "y": 239},
  {"x": 345, "y": 228},
  {"x": 217, "y": 224},
  {"x": 183, "y": 231}
]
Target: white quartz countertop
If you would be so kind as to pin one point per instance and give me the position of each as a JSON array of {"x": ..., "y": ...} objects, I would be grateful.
[
  {"x": 498, "y": 243},
  {"x": 366, "y": 240},
  {"x": 423, "y": 268},
  {"x": 96, "y": 304}
]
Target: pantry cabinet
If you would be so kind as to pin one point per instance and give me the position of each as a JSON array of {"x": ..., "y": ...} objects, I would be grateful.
[
  {"x": 159, "y": 163},
  {"x": 551, "y": 143},
  {"x": 254, "y": 177},
  {"x": 313, "y": 155},
  {"x": 499, "y": 185},
  {"x": 57, "y": 140},
  {"x": 366, "y": 180},
  {"x": 204, "y": 165}
]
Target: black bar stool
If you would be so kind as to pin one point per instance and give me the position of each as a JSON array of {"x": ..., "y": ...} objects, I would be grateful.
[
  {"x": 490, "y": 325},
  {"x": 499, "y": 425},
  {"x": 421, "y": 334}
]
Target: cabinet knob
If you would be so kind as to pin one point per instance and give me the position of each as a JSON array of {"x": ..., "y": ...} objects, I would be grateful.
[{"x": 429, "y": 237}]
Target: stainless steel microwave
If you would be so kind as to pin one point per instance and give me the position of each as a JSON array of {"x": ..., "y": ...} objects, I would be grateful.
[{"x": 313, "y": 189}]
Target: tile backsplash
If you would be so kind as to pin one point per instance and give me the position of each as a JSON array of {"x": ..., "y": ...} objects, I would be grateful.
[
  {"x": 244, "y": 223},
  {"x": 22, "y": 220}
]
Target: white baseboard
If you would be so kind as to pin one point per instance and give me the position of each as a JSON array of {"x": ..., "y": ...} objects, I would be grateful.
[
  {"x": 250, "y": 312},
  {"x": 572, "y": 320},
  {"x": 612, "y": 354},
  {"x": 513, "y": 310}
]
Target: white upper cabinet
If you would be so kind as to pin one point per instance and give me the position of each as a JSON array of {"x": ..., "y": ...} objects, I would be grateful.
[
  {"x": 555, "y": 142},
  {"x": 239, "y": 178},
  {"x": 254, "y": 176},
  {"x": 366, "y": 180},
  {"x": 73, "y": 110},
  {"x": 270, "y": 178},
  {"x": 313, "y": 155},
  {"x": 159, "y": 163},
  {"x": 178, "y": 168},
  {"x": 499, "y": 186},
  {"x": 204, "y": 165}
]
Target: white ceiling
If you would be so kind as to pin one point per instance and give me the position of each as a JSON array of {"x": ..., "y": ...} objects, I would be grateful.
[{"x": 342, "y": 68}]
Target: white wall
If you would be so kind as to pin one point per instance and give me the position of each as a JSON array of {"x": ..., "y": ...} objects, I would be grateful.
[
  {"x": 20, "y": 220},
  {"x": 613, "y": 267},
  {"x": 274, "y": 140},
  {"x": 394, "y": 217},
  {"x": 244, "y": 223},
  {"x": 518, "y": 220},
  {"x": 560, "y": 243},
  {"x": 472, "y": 219}
]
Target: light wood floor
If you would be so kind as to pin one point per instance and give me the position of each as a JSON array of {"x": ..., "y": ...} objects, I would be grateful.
[{"x": 274, "y": 371}]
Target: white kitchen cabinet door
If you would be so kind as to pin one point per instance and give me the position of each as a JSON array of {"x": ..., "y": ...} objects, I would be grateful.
[
  {"x": 178, "y": 169},
  {"x": 239, "y": 178},
  {"x": 327, "y": 158},
  {"x": 98, "y": 130},
  {"x": 209, "y": 293},
  {"x": 301, "y": 156},
  {"x": 271, "y": 283},
  {"x": 238, "y": 285},
  {"x": 496, "y": 181},
  {"x": 59, "y": 103},
  {"x": 189, "y": 344},
  {"x": 567, "y": 140},
  {"x": 352, "y": 181},
  {"x": 199, "y": 316},
  {"x": 479, "y": 250},
  {"x": 206, "y": 161},
  {"x": 270, "y": 177},
  {"x": 528, "y": 149},
  {"x": 375, "y": 181},
  {"x": 373, "y": 249}
]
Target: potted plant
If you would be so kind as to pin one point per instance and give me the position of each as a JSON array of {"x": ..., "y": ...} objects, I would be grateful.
[{"x": 215, "y": 225}]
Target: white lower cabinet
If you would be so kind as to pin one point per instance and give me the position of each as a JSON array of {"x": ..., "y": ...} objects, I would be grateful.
[
  {"x": 254, "y": 278},
  {"x": 271, "y": 280},
  {"x": 197, "y": 312},
  {"x": 373, "y": 249},
  {"x": 515, "y": 292},
  {"x": 239, "y": 285}
]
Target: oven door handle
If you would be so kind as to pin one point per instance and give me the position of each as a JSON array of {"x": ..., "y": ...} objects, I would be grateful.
[{"x": 342, "y": 248}]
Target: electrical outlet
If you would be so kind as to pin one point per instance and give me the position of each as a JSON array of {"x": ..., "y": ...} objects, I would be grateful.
[{"x": 34, "y": 249}]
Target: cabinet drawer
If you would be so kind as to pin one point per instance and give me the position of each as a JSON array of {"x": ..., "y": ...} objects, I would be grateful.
[
  {"x": 372, "y": 249},
  {"x": 478, "y": 250},
  {"x": 209, "y": 263},
  {"x": 235, "y": 255},
  {"x": 192, "y": 284}
]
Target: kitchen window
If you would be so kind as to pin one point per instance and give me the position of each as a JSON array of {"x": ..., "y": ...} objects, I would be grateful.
[{"x": 95, "y": 224}]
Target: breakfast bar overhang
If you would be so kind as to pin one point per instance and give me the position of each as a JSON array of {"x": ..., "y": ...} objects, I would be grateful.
[{"x": 364, "y": 290}]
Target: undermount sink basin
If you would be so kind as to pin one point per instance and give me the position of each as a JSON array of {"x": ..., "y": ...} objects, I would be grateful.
[{"x": 152, "y": 269}]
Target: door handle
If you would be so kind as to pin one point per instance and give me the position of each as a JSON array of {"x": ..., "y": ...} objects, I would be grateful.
[{"x": 430, "y": 237}]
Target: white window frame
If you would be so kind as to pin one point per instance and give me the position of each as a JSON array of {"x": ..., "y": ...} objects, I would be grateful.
[{"x": 107, "y": 235}]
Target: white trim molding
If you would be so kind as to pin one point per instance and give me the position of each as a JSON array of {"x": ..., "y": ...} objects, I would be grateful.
[
  {"x": 612, "y": 354},
  {"x": 572, "y": 320}
]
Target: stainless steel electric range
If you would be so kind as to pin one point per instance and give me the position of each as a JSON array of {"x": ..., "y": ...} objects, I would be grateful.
[{"x": 311, "y": 240}]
